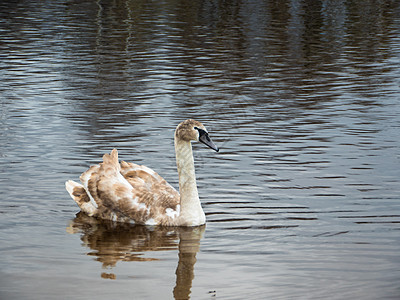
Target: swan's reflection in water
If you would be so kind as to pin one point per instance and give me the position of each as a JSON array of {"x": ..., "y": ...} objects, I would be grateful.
[{"x": 112, "y": 242}]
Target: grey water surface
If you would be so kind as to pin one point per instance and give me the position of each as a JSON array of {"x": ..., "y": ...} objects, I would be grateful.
[{"x": 302, "y": 97}]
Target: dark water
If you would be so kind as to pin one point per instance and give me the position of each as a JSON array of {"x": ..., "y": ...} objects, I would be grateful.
[{"x": 302, "y": 97}]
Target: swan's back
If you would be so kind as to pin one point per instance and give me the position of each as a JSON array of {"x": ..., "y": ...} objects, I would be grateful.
[
  {"x": 152, "y": 190},
  {"x": 125, "y": 192}
]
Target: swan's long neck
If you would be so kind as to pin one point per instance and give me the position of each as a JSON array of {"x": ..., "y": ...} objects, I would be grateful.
[{"x": 191, "y": 213}]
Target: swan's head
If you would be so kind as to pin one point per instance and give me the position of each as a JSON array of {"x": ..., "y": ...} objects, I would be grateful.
[{"x": 192, "y": 130}]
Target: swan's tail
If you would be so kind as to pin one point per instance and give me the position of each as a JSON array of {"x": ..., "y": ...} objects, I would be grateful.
[
  {"x": 78, "y": 193},
  {"x": 110, "y": 162}
]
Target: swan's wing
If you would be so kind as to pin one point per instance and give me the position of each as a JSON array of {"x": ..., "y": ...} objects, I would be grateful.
[
  {"x": 153, "y": 191},
  {"x": 114, "y": 195},
  {"x": 128, "y": 192},
  {"x": 86, "y": 196}
]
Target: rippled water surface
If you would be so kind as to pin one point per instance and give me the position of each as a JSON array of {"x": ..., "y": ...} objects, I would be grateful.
[{"x": 302, "y": 97}]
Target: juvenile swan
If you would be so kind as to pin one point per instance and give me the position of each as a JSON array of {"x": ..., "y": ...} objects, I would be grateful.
[{"x": 127, "y": 192}]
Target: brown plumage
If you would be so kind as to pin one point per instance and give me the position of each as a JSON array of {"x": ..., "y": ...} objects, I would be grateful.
[{"x": 127, "y": 192}]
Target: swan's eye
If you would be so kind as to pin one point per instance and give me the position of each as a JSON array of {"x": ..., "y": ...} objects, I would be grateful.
[{"x": 202, "y": 132}]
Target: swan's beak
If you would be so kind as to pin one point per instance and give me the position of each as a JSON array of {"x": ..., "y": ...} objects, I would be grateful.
[{"x": 205, "y": 139}]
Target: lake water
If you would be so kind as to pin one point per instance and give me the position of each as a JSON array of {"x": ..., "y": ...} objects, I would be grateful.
[{"x": 302, "y": 97}]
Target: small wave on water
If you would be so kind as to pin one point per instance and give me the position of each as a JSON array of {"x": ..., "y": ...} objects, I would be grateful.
[{"x": 301, "y": 97}]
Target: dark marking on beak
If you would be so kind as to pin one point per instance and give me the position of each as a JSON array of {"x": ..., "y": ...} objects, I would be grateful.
[{"x": 205, "y": 139}]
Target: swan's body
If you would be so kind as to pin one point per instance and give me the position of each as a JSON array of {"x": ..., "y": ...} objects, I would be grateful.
[{"x": 127, "y": 192}]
